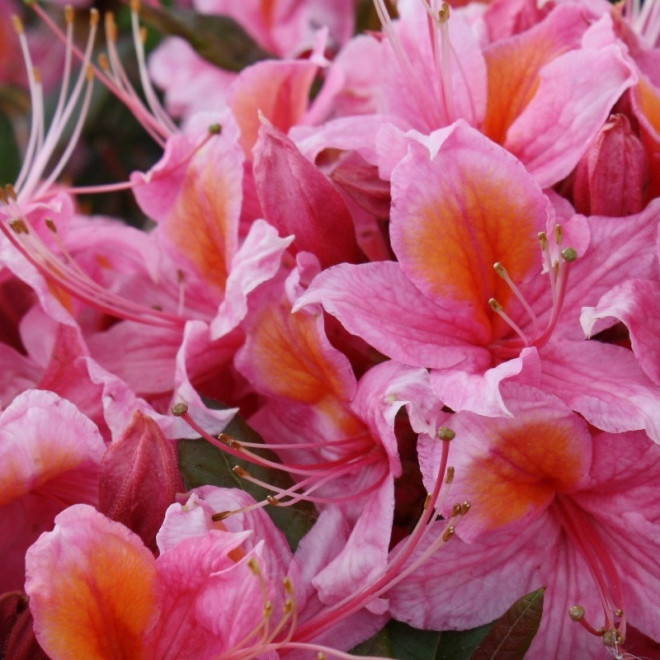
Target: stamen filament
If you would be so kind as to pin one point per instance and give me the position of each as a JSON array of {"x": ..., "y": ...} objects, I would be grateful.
[
  {"x": 600, "y": 564},
  {"x": 502, "y": 272},
  {"x": 353, "y": 603},
  {"x": 497, "y": 308}
]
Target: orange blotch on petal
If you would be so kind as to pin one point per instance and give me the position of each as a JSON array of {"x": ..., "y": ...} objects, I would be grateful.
[
  {"x": 290, "y": 357},
  {"x": 202, "y": 222},
  {"x": 91, "y": 588},
  {"x": 514, "y": 65},
  {"x": 458, "y": 214},
  {"x": 527, "y": 461}
]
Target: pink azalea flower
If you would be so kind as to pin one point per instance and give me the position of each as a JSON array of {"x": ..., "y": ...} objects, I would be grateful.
[
  {"x": 470, "y": 274},
  {"x": 553, "y": 503},
  {"x": 216, "y": 589},
  {"x": 50, "y": 456},
  {"x": 537, "y": 93}
]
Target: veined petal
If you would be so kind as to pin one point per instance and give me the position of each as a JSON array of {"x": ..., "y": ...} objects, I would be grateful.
[
  {"x": 510, "y": 468},
  {"x": 257, "y": 261},
  {"x": 458, "y": 212},
  {"x": 42, "y": 437},
  {"x": 277, "y": 90},
  {"x": 91, "y": 587},
  {"x": 637, "y": 304},
  {"x": 298, "y": 199},
  {"x": 377, "y": 302},
  {"x": 604, "y": 383},
  {"x": 575, "y": 96},
  {"x": 195, "y": 194},
  {"x": 514, "y": 65},
  {"x": 288, "y": 355}
]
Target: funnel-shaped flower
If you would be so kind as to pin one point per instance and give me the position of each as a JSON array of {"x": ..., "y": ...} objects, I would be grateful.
[
  {"x": 469, "y": 297},
  {"x": 553, "y": 503}
]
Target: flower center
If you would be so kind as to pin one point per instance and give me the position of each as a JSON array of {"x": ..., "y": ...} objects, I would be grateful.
[{"x": 529, "y": 333}]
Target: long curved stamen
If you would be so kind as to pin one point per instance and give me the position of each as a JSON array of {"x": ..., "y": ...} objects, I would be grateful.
[
  {"x": 396, "y": 569},
  {"x": 313, "y": 475},
  {"x": 36, "y": 95},
  {"x": 502, "y": 272},
  {"x": 606, "y": 578},
  {"x": 306, "y": 487},
  {"x": 236, "y": 449},
  {"x": 558, "y": 272},
  {"x": 499, "y": 310},
  {"x": 438, "y": 28},
  {"x": 147, "y": 87},
  {"x": 420, "y": 90},
  {"x": 117, "y": 81},
  {"x": 75, "y": 282}
]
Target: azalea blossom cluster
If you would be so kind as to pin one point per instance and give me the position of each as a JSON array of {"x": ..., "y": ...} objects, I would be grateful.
[{"x": 388, "y": 347}]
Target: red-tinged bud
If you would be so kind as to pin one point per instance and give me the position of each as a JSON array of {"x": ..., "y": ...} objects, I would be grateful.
[
  {"x": 17, "y": 640},
  {"x": 139, "y": 478},
  {"x": 612, "y": 176}
]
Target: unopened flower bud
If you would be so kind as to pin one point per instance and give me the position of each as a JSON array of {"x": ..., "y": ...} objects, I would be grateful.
[
  {"x": 612, "y": 176},
  {"x": 139, "y": 478}
]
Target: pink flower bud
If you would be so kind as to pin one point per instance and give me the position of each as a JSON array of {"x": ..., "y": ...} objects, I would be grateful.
[
  {"x": 139, "y": 478},
  {"x": 611, "y": 177}
]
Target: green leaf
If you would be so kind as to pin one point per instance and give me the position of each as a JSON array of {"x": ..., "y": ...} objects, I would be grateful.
[
  {"x": 201, "y": 463},
  {"x": 511, "y": 635},
  {"x": 408, "y": 643},
  {"x": 218, "y": 39},
  {"x": 379, "y": 645}
]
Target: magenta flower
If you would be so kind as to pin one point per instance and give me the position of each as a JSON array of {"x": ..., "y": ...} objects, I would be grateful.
[
  {"x": 470, "y": 274},
  {"x": 555, "y": 504}
]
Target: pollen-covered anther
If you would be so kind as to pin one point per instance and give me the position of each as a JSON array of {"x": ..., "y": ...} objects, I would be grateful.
[
  {"x": 110, "y": 27},
  {"x": 240, "y": 472},
  {"x": 427, "y": 501},
  {"x": 449, "y": 475},
  {"x": 17, "y": 23},
  {"x": 465, "y": 507},
  {"x": 10, "y": 192},
  {"x": 221, "y": 515},
  {"x": 50, "y": 223},
  {"x": 494, "y": 305},
  {"x": 576, "y": 612},
  {"x": 448, "y": 533},
  {"x": 69, "y": 14},
  {"x": 287, "y": 583},
  {"x": 456, "y": 510},
  {"x": 543, "y": 240},
  {"x": 103, "y": 62},
  {"x": 19, "y": 227},
  {"x": 612, "y": 637},
  {"x": 229, "y": 441},
  {"x": 444, "y": 13},
  {"x": 272, "y": 500},
  {"x": 179, "y": 409},
  {"x": 445, "y": 433}
]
